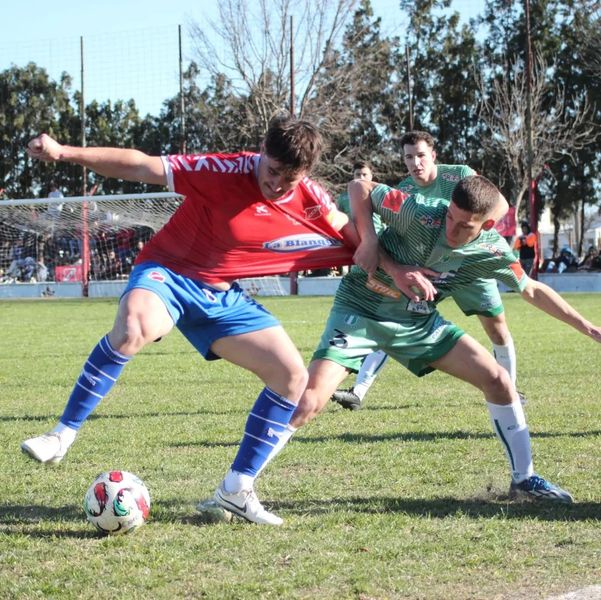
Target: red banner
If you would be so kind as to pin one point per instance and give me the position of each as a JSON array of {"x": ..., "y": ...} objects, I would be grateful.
[
  {"x": 68, "y": 273},
  {"x": 506, "y": 225}
]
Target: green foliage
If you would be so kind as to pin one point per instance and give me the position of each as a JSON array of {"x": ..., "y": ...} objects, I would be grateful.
[
  {"x": 403, "y": 499},
  {"x": 360, "y": 95},
  {"x": 31, "y": 103}
]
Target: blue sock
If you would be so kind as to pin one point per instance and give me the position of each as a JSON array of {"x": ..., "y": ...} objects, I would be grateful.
[
  {"x": 99, "y": 373},
  {"x": 267, "y": 420}
]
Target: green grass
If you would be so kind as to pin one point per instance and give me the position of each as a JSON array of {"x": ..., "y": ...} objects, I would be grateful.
[{"x": 403, "y": 499}]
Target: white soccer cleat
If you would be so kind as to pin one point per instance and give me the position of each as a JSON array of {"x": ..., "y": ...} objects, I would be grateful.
[
  {"x": 245, "y": 504},
  {"x": 47, "y": 448}
]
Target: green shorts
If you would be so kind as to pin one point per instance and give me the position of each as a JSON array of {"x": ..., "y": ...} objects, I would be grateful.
[
  {"x": 480, "y": 297},
  {"x": 415, "y": 343}
]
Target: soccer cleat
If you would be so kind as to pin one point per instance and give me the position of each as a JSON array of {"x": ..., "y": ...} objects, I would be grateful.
[
  {"x": 537, "y": 488},
  {"x": 245, "y": 504},
  {"x": 347, "y": 399},
  {"x": 47, "y": 448},
  {"x": 522, "y": 398}
]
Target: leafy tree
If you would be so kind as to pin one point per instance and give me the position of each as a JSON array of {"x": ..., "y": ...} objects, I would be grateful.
[{"x": 31, "y": 103}]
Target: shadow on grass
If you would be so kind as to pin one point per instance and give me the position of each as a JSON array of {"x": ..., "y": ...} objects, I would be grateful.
[
  {"x": 366, "y": 438},
  {"x": 26, "y": 519},
  {"x": 146, "y": 415},
  {"x": 443, "y": 508},
  {"x": 33, "y": 521},
  {"x": 430, "y": 436}
]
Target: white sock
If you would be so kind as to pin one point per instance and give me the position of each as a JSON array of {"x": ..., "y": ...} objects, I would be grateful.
[
  {"x": 509, "y": 424},
  {"x": 505, "y": 356},
  {"x": 370, "y": 367},
  {"x": 235, "y": 481},
  {"x": 67, "y": 434}
]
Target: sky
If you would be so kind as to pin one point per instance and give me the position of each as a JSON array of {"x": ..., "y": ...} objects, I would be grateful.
[{"x": 130, "y": 46}]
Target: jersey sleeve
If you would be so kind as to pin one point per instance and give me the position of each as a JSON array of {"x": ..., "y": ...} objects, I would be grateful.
[
  {"x": 501, "y": 264},
  {"x": 168, "y": 173},
  {"x": 333, "y": 215},
  {"x": 390, "y": 203}
]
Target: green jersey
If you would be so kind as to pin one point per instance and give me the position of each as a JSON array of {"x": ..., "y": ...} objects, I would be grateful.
[
  {"x": 442, "y": 187},
  {"x": 415, "y": 235},
  {"x": 482, "y": 298},
  {"x": 343, "y": 202}
]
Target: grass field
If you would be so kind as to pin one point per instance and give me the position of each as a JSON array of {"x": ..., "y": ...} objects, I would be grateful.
[{"x": 406, "y": 498}]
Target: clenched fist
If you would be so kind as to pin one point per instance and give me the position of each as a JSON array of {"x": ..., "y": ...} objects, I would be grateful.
[{"x": 44, "y": 148}]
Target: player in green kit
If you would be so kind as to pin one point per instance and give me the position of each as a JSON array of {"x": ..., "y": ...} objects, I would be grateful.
[
  {"x": 429, "y": 180},
  {"x": 459, "y": 241}
]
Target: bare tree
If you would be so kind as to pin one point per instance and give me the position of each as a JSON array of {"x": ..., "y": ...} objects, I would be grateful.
[
  {"x": 559, "y": 127},
  {"x": 254, "y": 52},
  {"x": 591, "y": 34}
]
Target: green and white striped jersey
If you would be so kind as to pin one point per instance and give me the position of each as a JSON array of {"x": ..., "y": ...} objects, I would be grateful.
[
  {"x": 442, "y": 187},
  {"x": 415, "y": 235}
]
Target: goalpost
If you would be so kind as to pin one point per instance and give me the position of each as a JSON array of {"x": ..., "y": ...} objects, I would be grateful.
[{"x": 87, "y": 239}]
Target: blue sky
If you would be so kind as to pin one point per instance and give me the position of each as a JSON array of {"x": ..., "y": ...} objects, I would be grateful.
[{"x": 130, "y": 46}]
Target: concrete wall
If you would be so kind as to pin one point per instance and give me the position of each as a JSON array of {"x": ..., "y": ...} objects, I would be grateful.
[
  {"x": 40, "y": 290},
  {"x": 307, "y": 286},
  {"x": 572, "y": 282}
]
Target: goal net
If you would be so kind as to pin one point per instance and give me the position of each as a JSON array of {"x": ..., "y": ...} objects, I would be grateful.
[{"x": 88, "y": 238}]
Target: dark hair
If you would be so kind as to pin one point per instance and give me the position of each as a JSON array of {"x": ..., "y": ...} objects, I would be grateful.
[
  {"x": 412, "y": 137},
  {"x": 295, "y": 143},
  {"x": 361, "y": 164},
  {"x": 476, "y": 194},
  {"x": 526, "y": 225}
]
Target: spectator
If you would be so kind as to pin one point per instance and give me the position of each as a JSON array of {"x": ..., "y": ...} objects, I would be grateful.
[
  {"x": 113, "y": 266},
  {"x": 567, "y": 260},
  {"x": 525, "y": 244},
  {"x": 55, "y": 209},
  {"x": 590, "y": 259},
  {"x": 124, "y": 239},
  {"x": 361, "y": 170},
  {"x": 41, "y": 271}
]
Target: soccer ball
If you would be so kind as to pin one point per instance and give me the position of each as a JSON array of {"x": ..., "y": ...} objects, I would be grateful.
[{"x": 117, "y": 502}]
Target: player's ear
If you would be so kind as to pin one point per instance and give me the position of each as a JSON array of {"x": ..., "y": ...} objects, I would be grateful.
[{"x": 488, "y": 224}]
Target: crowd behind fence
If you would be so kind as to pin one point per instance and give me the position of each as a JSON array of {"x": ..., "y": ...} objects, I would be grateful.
[{"x": 27, "y": 257}]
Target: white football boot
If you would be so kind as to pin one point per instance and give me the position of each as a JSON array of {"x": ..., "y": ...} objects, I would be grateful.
[
  {"x": 47, "y": 448},
  {"x": 245, "y": 504}
]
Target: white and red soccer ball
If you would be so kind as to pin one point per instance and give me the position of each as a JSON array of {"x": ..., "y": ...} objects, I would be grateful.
[{"x": 117, "y": 502}]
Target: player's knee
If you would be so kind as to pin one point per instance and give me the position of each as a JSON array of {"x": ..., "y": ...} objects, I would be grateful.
[
  {"x": 294, "y": 381},
  {"x": 499, "y": 382},
  {"x": 299, "y": 379},
  {"x": 131, "y": 335}
]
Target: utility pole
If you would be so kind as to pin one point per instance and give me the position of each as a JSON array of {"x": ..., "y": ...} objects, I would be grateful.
[
  {"x": 529, "y": 155},
  {"x": 409, "y": 87},
  {"x": 532, "y": 183},
  {"x": 293, "y": 274},
  {"x": 182, "y": 102}
]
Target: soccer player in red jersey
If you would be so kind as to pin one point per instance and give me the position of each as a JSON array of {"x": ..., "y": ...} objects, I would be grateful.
[{"x": 244, "y": 214}]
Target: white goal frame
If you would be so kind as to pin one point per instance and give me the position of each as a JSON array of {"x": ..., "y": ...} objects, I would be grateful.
[{"x": 83, "y": 216}]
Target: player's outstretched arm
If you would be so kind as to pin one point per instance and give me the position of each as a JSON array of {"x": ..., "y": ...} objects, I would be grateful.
[
  {"x": 545, "y": 298},
  {"x": 120, "y": 163},
  {"x": 366, "y": 255}
]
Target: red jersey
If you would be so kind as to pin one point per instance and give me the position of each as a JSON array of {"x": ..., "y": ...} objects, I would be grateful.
[{"x": 224, "y": 229}]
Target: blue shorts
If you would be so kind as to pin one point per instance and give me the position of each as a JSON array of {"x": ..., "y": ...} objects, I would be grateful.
[{"x": 202, "y": 313}]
